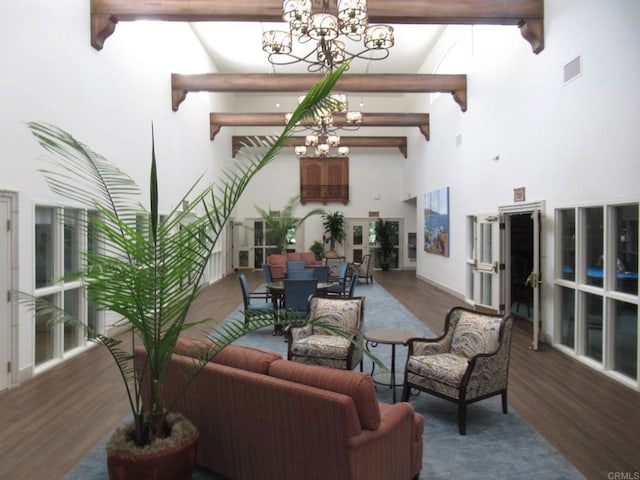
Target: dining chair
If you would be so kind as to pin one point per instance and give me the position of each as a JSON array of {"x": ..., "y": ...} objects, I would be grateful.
[
  {"x": 364, "y": 269},
  {"x": 321, "y": 273},
  {"x": 295, "y": 265},
  {"x": 266, "y": 271},
  {"x": 296, "y": 296},
  {"x": 252, "y": 303},
  {"x": 304, "y": 274},
  {"x": 340, "y": 287},
  {"x": 352, "y": 285}
]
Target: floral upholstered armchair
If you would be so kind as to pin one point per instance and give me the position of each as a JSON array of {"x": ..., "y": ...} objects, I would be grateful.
[
  {"x": 469, "y": 362},
  {"x": 315, "y": 345},
  {"x": 364, "y": 269}
]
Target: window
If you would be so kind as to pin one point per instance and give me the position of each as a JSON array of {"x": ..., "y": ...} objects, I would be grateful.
[
  {"x": 60, "y": 240},
  {"x": 44, "y": 254},
  {"x": 596, "y": 289}
]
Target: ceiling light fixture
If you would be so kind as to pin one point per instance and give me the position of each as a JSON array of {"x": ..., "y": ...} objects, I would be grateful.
[
  {"x": 323, "y": 136},
  {"x": 331, "y": 33}
]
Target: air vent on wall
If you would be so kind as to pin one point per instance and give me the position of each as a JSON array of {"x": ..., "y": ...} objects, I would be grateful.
[{"x": 573, "y": 69}]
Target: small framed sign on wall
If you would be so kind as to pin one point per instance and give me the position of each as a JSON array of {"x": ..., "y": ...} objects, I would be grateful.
[{"x": 518, "y": 194}]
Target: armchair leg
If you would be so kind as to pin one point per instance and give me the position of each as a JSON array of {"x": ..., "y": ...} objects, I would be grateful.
[
  {"x": 462, "y": 418},
  {"x": 505, "y": 405},
  {"x": 406, "y": 390}
]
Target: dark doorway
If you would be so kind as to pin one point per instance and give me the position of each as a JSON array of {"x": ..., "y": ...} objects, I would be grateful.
[{"x": 521, "y": 234}]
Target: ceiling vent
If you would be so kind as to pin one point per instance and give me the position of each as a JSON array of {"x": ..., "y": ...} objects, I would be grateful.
[{"x": 573, "y": 69}]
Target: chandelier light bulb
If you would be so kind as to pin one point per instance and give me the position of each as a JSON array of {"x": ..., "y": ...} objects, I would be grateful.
[
  {"x": 324, "y": 26},
  {"x": 276, "y": 42},
  {"x": 333, "y": 140},
  {"x": 353, "y": 118},
  {"x": 343, "y": 151},
  {"x": 378, "y": 37},
  {"x": 322, "y": 150}
]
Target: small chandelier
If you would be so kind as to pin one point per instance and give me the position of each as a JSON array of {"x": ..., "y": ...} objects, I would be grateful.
[
  {"x": 325, "y": 29},
  {"x": 323, "y": 137}
]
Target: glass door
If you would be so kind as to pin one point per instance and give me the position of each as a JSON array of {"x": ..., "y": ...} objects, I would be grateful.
[
  {"x": 485, "y": 262},
  {"x": 360, "y": 239}
]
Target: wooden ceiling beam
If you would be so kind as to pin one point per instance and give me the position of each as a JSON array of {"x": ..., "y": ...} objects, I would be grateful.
[
  {"x": 294, "y": 82},
  {"x": 237, "y": 142},
  {"x": 528, "y": 15},
  {"x": 275, "y": 119}
]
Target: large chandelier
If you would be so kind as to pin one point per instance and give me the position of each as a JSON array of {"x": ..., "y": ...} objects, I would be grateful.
[
  {"x": 326, "y": 30},
  {"x": 323, "y": 140}
]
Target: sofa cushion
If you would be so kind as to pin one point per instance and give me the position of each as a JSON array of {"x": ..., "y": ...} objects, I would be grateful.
[
  {"x": 277, "y": 259},
  {"x": 244, "y": 358},
  {"x": 309, "y": 258},
  {"x": 292, "y": 256},
  {"x": 358, "y": 386}
]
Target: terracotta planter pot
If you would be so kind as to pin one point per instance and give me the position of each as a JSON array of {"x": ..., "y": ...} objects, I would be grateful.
[{"x": 176, "y": 463}]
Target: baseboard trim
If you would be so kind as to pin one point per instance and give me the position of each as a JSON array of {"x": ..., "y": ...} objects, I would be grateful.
[{"x": 439, "y": 286}]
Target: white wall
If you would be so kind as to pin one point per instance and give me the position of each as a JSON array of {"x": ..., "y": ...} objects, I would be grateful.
[
  {"x": 372, "y": 173},
  {"x": 107, "y": 99},
  {"x": 568, "y": 145}
]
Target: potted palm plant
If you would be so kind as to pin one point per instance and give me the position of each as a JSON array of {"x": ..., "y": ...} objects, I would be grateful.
[
  {"x": 333, "y": 224},
  {"x": 151, "y": 278},
  {"x": 280, "y": 224}
]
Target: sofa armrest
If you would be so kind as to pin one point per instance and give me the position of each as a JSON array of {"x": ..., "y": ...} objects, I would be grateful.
[{"x": 394, "y": 450}]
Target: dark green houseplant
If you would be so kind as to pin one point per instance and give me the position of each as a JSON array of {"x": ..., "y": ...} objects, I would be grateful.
[
  {"x": 386, "y": 233},
  {"x": 333, "y": 224},
  {"x": 151, "y": 278}
]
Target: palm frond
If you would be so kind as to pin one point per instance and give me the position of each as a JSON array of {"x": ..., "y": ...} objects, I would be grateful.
[{"x": 150, "y": 276}]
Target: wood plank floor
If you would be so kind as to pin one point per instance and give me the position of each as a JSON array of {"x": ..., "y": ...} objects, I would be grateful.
[{"x": 52, "y": 421}]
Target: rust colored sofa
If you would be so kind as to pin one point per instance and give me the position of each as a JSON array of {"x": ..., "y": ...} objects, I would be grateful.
[
  {"x": 263, "y": 417},
  {"x": 278, "y": 262}
]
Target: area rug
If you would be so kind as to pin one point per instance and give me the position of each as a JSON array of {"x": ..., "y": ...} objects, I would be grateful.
[{"x": 496, "y": 446}]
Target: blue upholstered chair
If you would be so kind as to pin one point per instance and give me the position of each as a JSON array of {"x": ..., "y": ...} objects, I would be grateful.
[
  {"x": 469, "y": 362},
  {"x": 296, "y": 295},
  {"x": 304, "y": 274},
  {"x": 295, "y": 265},
  {"x": 352, "y": 285},
  {"x": 267, "y": 273},
  {"x": 315, "y": 345},
  {"x": 320, "y": 273},
  {"x": 257, "y": 303},
  {"x": 341, "y": 285},
  {"x": 266, "y": 270}
]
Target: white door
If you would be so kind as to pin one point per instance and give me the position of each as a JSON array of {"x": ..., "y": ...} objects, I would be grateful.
[
  {"x": 485, "y": 289},
  {"x": 242, "y": 246},
  {"x": 360, "y": 234},
  {"x": 534, "y": 280},
  {"x": 5, "y": 282}
]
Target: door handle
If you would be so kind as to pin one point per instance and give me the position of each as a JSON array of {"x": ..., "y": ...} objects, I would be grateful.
[{"x": 532, "y": 280}]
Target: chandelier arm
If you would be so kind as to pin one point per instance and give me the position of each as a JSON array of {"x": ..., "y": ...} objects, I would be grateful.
[
  {"x": 362, "y": 54},
  {"x": 290, "y": 58}
]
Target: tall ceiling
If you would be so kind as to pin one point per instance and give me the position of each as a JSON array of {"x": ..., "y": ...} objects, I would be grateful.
[
  {"x": 231, "y": 31},
  {"x": 236, "y": 47}
]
